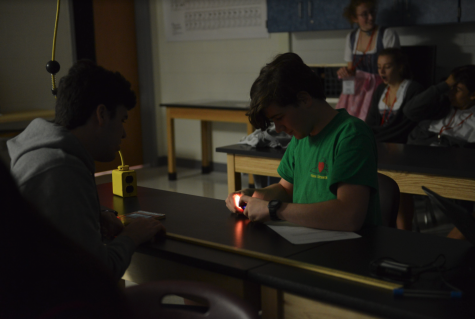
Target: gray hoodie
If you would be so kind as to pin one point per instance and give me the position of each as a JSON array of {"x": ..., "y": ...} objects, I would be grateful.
[{"x": 56, "y": 174}]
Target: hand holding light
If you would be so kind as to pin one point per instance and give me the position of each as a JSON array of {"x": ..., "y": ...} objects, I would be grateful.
[
  {"x": 240, "y": 206},
  {"x": 234, "y": 202}
]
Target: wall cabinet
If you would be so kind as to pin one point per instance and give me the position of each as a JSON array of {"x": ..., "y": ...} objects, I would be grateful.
[
  {"x": 327, "y": 15},
  {"x": 397, "y": 13},
  {"x": 299, "y": 15},
  {"x": 467, "y": 10},
  {"x": 305, "y": 15},
  {"x": 278, "y": 16},
  {"x": 311, "y": 15}
]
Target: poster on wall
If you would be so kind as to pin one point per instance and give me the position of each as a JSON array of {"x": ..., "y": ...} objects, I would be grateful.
[{"x": 190, "y": 20}]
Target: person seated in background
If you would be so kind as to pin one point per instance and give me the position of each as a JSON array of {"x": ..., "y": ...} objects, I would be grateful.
[
  {"x": 45, "y": 273},
  {"x": 389, "y": 116},
  {"x": 361, "y": 53},
  {"x": 53, "y": 162},
  {"x": 392, "y": 115},
  {"x": 449, "y": 119},
  {"x": 448, "y": 109},
  {"x": 329, "y": 178}
]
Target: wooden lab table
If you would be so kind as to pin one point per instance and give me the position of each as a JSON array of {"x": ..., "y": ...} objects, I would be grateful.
[
  {"x": 283, "y": 291},
  {"x": 295, "y": 293},
  {"x": 25, "y": 116},
  {"x": 205, "y": 219},
  {"x": 18, "y": 117},
  {"x": 206, "y": 112},
  {"x": 447, "y": 171}
]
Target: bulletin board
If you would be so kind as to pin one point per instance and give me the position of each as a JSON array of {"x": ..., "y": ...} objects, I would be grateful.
[{"x": 192, "y": 20}]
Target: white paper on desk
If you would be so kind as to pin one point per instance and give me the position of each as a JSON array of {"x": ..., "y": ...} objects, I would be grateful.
[{"x": 304, "y": 235}]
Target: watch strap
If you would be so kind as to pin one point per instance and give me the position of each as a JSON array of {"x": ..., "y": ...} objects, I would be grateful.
[{"x": 273, "y": 206}]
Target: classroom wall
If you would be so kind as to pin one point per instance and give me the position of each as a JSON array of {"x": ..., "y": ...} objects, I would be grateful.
[
  {"x": 455, "y": 44},
  {"x": 205, "y": 70},
  {"x": 26, "y": 32},
  {"x": 184, "y": 71},
  {"x": 225, "y": 69}
]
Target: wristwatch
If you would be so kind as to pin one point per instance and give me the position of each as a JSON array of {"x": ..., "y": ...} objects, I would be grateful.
[{"x": 273, "y": 206}]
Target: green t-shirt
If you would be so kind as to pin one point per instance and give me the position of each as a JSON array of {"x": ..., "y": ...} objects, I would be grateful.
[{"x": 344, "y": 151}]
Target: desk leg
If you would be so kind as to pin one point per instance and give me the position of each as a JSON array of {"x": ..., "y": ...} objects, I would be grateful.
[
  {"x": 171, "y": 147},
  {"x": 300, "y": 307},
  {"x": 234, "y": 179},
  {"x": 205, "y": 147},
  {"x": 272, "y": 303},
  {"x": 250, "y": 129},
  {"x": 278, "y": 304}
]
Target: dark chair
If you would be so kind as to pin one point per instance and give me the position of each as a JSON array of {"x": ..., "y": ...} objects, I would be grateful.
[
  {"x": 389, "y": 199},
  {"x": 145, "y": 301}
]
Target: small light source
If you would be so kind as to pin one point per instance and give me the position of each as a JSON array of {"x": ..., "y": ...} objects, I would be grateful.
[{"x": 236, "y": 202}]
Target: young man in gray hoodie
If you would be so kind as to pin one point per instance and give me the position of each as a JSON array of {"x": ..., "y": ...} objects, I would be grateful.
[{"x": 53, "y": 162}]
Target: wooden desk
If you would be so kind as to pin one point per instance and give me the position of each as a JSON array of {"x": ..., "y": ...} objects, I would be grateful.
[
  {"x": 206, "y": 112},
  {"x": 17, "y": 117},
  {"x": 447, "y": 171},
  {"x": 25, "y": 116},
  {"x": 267, "y": 283},
  {"x": 295, "y": 293},
  {"x": 206, "y": 219}
]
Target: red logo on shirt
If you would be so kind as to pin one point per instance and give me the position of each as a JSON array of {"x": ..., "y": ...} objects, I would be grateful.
[
  {"x": 321, "y": 166},
  {"x": 321, "y": 171}
]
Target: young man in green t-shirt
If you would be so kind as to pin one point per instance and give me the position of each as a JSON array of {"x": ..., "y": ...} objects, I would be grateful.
[{"x": 329, "y": 171}]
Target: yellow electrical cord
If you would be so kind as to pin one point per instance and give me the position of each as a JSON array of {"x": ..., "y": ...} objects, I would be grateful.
[
  {"x": 54, "y": 43},
  {"x": 122, "y": 167},
  {"x": 121, "y": 158}
]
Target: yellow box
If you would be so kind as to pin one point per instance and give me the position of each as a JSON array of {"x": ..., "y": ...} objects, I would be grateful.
[{"x": 124, "y": 183}]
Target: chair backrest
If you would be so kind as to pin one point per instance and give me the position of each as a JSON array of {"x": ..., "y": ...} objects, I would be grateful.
[
  {"x": 145, "y": 301},
  {"x": 389, "y": 199}
]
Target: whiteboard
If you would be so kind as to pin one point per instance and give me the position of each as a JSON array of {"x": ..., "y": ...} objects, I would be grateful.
[{"x": 191, "y": 20}]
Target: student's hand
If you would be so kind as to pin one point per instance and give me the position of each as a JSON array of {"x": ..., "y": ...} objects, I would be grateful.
[
  {"x": 450, "y": 81},
  {"x": 256, "y": 209},
  {"x": 231, "y": 200},
  {"x": 111, "y": 226},
  {"x": 142, "y": 230},
  {"x": 344, "y": 73}
]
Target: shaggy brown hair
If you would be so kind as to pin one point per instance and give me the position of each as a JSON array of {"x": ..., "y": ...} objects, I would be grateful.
[{"x": 279, "y": 82}]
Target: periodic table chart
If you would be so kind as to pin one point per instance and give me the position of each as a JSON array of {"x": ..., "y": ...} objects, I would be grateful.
[{"x": 189, "y": 20}]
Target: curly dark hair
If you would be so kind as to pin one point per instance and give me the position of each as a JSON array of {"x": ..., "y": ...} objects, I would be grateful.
[
  {"x": 465, "y": 75},
  {"x": 86, "y": 86},
  {"x": 279, "y": 82}
]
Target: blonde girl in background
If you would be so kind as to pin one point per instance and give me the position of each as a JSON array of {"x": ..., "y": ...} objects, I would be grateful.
[{"x": 363, "y": 45}]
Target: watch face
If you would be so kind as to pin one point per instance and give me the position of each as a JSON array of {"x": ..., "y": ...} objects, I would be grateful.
[{"x": 274, "y": 204}]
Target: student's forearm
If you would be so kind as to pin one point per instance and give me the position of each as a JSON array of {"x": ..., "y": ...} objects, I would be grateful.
[
  {"x": 274, "y": 191},
  {"x": 331, "y": 215}
]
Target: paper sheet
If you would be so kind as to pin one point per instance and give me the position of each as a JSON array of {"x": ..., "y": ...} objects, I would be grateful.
[
  {"x": 188, "y": 20},
  {"x": 304, "y": 235}
]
